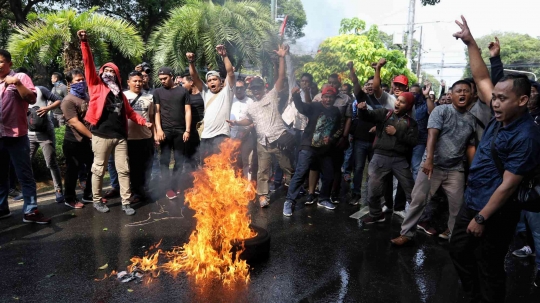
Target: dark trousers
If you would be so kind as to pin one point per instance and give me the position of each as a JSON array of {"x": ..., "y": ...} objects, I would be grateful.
[
  {"x": 479, "y": 261},
  {"x": 362, "y": 150},
  {"x": 210, "y": 146},
  {"x": 174, "y": 142},
  {"x": 140, "y": 154},
  {"x": 77, "y": 154},
  {"x": 306, "y": 160}
]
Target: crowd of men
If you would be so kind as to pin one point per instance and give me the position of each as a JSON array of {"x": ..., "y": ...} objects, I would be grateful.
[{"x": 477, "y": 142}]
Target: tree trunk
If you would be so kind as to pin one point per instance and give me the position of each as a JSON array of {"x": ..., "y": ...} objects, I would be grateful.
[{"x": 72, "y": 57}]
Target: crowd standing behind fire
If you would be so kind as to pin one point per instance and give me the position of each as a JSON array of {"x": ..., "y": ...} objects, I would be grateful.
[{"x": 291, "y": 135}]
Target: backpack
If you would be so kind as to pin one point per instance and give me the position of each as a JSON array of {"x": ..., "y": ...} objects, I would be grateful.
[{"x": 35, "y": 122}]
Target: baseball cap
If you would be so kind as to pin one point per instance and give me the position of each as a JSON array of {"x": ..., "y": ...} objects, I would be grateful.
[
  {"x": 166, "y": 71},
  {"x": 329, "y": 90},
  {"x": 401, "y": 79},
  {"x": 212, "y": 73},
  {"x": 256, "y": 82}
]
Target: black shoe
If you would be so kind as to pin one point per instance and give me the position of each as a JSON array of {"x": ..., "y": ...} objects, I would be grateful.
[
  {"x": 334, "y": 199},
  {"x": 87, "y": 199},
  {"x": 537, "y": 280},
  {"x": 311, "y": 198},
  {"x": 5, "y": 214},
  {"x": 355, "y": 199}
]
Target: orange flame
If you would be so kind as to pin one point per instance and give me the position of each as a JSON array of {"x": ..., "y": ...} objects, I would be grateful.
[{"x": 220, "y": 197}]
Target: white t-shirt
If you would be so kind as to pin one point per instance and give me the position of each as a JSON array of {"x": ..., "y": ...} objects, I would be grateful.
[
  {"x": 215, "y": 116},
  {"x": 239, "y": 112},
  {"x": 387, "y": 101}
]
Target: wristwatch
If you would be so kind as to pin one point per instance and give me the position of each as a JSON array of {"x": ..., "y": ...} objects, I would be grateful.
[{"x": 480, "y": 219}]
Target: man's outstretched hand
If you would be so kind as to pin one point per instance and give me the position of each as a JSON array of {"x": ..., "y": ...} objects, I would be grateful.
[
  {"x": 82, "y": 35},
  {"x": 494, "y": 48},
  {"x": 465, "y": 33}
]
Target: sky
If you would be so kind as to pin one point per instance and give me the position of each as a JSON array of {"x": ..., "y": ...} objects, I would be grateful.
[{"x": 483, "y": 16}]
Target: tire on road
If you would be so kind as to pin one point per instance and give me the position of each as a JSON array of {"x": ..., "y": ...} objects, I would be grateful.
[{"x": 257, "y": 249}]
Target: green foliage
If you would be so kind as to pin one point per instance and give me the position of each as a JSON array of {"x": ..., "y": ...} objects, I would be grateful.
[
  {"x": 335, "y": 52},
  {"x": 299, "y": 62},
  {"x": 518, "y": 51},
  {"x": 430, "y": 2},
  {"x": 354, "y": 25},
  {"x": 244, "y": 27},
  {"x": 436, "y": 85},
  {"x": 39, "y": 166},
  {"x": 297, "y": 19},
  {"x": 52, "y": 35}
]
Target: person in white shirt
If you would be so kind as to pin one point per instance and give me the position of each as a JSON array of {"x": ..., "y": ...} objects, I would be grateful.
[
  {"x": 243, "y": 133},
  {"x": 218, "y": 97}
]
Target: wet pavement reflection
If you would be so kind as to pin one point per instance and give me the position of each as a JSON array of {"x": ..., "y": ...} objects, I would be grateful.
[{"x": 316, "y": 255}]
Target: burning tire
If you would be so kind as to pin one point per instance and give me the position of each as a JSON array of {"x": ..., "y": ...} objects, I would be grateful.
[{"x": 256, "y": 248}]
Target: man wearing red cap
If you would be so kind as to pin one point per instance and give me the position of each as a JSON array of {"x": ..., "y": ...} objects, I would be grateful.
[
  {"x": 322, "y": 134},
  {"x": 396, "y": 135}
]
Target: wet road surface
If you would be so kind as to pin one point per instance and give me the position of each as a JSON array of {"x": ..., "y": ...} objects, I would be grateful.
[{"x": 317, "y": 255}]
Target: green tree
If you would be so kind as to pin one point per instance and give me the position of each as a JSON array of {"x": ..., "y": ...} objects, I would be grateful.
[
  {"x": 436, "y": 85},
  {"x": 296, "y": 21},
  {"x": 53, "y": 37},
  {"x": 335, "y": 52},
  {"x": 430, "y": 2},
  {"x": 143, "y": 14},
  {"x": 198, "y": 26},
  {"x": 352, "y": 25},
  {"x": 518, "y": 51}
]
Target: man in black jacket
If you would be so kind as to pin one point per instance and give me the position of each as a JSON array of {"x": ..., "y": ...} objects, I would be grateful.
[{"x": 397, "y": 134}]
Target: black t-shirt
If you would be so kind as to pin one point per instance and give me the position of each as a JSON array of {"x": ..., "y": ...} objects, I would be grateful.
[
  {"x": 321, "y": 132},
  {"x": 172, "y": 104},
  {"x": 112, "y": 123},
  {"x": 197, "y": 109}
]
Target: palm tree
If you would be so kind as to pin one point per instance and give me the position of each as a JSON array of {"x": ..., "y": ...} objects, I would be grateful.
[
  {"x": 244, "y": 27},
  {"x": 52, "y": 37}
]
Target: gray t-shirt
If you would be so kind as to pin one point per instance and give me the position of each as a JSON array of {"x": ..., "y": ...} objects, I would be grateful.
[{"x": 457, "y": 132}]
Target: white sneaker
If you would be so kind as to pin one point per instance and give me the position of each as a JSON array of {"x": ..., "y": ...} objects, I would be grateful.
[
  {"x": 401, "y": 213},
  {"x": 523, "y": 252},
  {"x": 387, "y": 210}
]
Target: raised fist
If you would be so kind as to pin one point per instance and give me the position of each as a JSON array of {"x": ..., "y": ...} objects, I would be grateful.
[
  {"x": 382, "y": 62},
  {"x": 190, "y": 57},
  {"x": 82, "y": 35},
  {"x": 350, "y": 65},
  {"x": 221, "y": 50}
]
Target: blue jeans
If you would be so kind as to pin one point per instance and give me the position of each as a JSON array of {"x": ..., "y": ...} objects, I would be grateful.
[
  {"x": 18, "y": 150},
  {"x": 362, "y": 150},
  {"x": 349, "y": 160},
  {"x": 532, "y": 220},
  {"x": 305, "y": 160},
  {"x": 416, "y": 160},
  {"x": 113, "y": 173}
]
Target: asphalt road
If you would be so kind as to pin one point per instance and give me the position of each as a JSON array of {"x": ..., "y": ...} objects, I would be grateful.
[{"x": 316, "y": 255}]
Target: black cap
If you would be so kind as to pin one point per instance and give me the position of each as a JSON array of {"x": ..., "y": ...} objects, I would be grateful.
[
  {"x": 166, "y": 71},
  {"x": 256, "y": 82}
]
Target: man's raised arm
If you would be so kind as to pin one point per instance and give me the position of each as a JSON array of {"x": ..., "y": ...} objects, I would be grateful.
[
  {"x": 193, "y": 71},
  {"x": 222, "y": 51},
  {"x": 377, "y": 88},
  {"x": 478, "y": 66}
]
